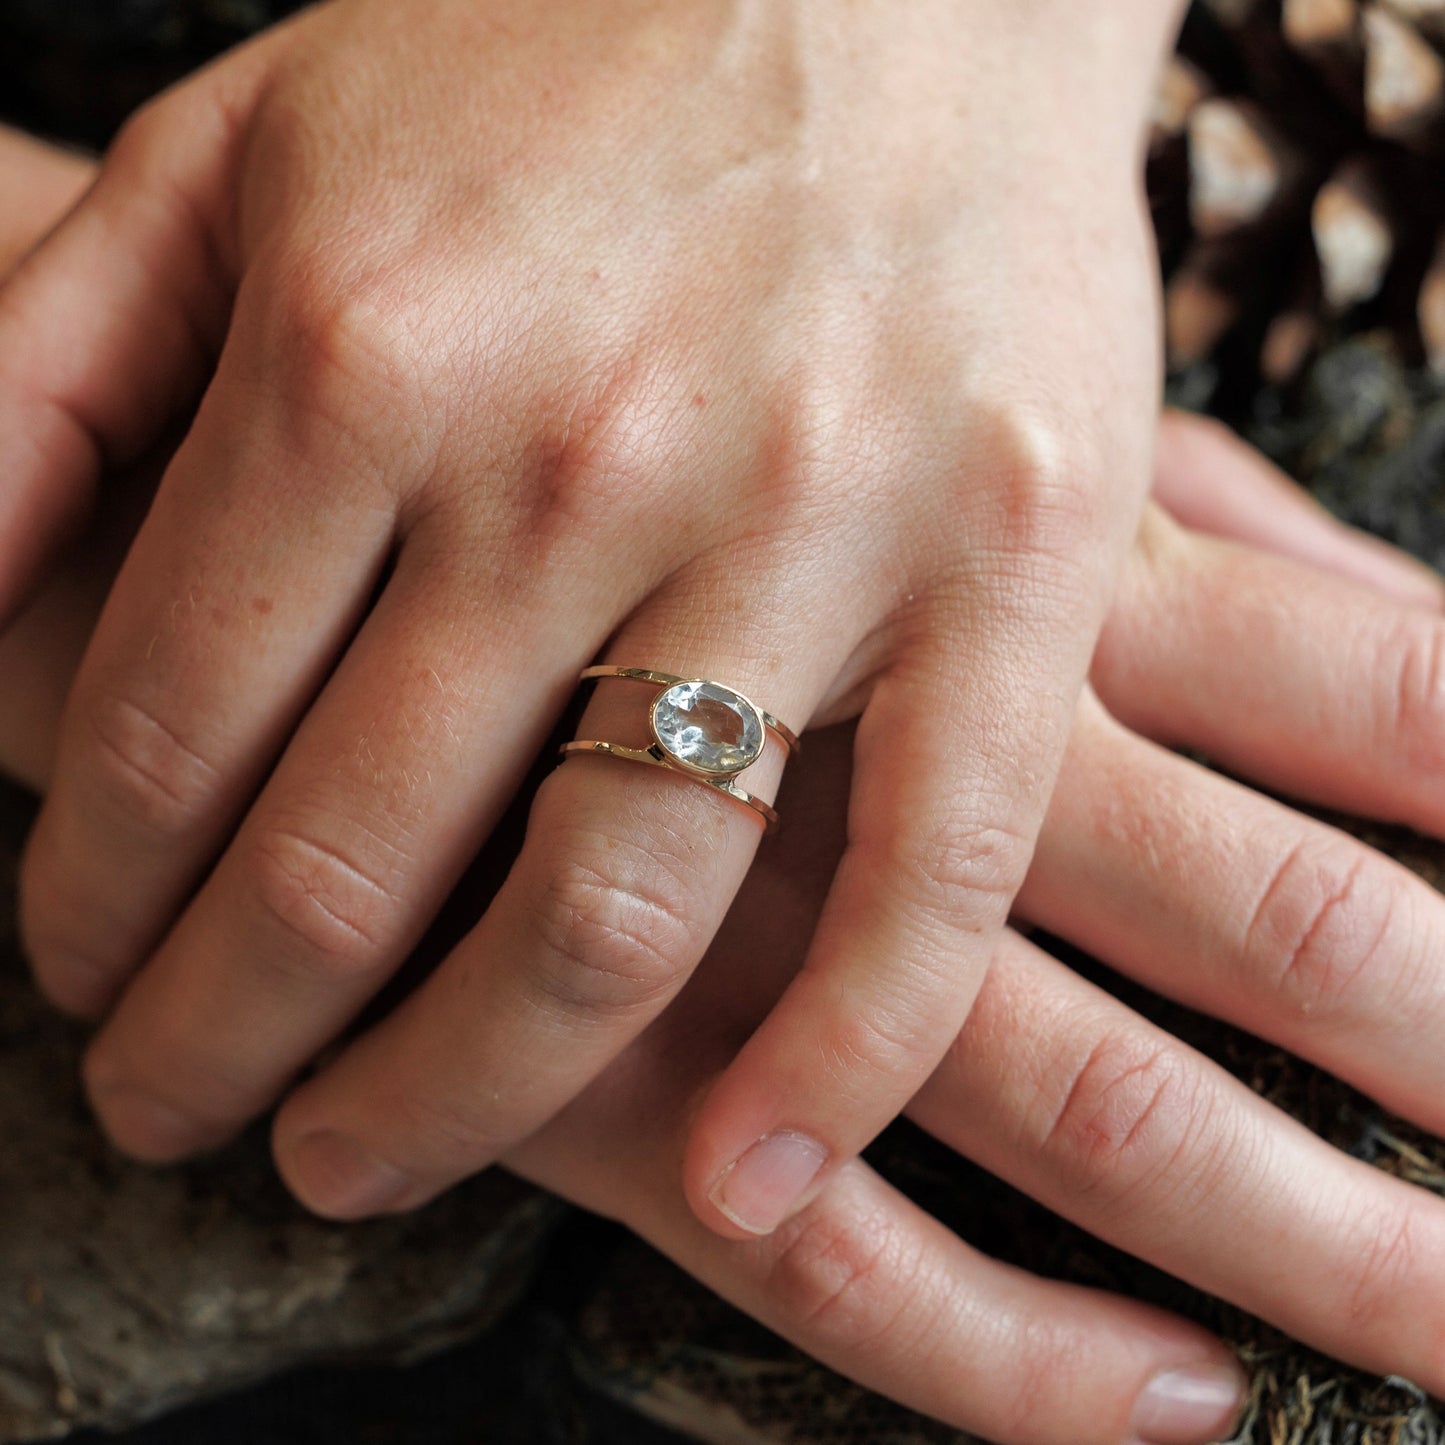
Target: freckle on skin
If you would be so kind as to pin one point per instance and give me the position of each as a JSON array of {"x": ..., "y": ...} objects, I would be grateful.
[
  {"x": 699, "y": 400},
  {"x": 263, "y": 605}
]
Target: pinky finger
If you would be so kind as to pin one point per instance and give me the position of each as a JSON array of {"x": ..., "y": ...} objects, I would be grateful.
[
  {"x": 878, "y": 1289},
  {"x": 1211, "y": 481}
]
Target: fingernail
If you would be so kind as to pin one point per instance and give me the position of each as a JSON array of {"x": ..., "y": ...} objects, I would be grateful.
[
  {"x": 1190, "y": 1405},
  {"x": 149, "y": 1128},
  {"x": 760, "y": 1188},
  {"x": 335, "y": 1176}
]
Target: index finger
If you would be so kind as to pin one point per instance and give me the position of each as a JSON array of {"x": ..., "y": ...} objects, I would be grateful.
[
  {"x": 1138, "y": 1138},
  {"x": 878, "y": 1289}
]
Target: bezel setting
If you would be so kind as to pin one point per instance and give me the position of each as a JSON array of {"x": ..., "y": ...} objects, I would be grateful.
[{"x": 730, "y": 757}]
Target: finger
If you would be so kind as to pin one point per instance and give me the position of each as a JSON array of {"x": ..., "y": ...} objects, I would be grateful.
[
  {"x": 196, "y": 675},
  {"x": 108, "y": 328},
  {"x": 956, "y": 751},
  {"x": 1118, "y": 1126},
  {"x": 1304, "y": 682},
  {"x": 1207, "y": 479},
  {"x": 41, "y": 650},
  {"x": 862, "y": 1278},
  {"x": 622, "y": 879},
  {"x": 1233, "y": 904},
  {"x": 38, "y": 184},
  {"x": 397, "y": 774},
  {"x": 870, "y": 1284}
]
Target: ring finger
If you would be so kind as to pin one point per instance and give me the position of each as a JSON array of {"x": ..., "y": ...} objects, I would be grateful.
[{"x": 622, "y": 880}]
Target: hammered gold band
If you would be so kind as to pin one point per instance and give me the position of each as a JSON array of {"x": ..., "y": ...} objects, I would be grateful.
[
  {"x": 703, "y": 729},
  {"x": 658, "y": 759}
]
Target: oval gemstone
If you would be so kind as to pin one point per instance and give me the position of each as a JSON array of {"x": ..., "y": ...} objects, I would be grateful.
[{"x": 706, "y": 726}]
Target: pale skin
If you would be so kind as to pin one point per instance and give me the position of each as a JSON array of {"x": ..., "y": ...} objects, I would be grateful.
[
  {"x": 679, "y": 336},
  {"x": 1235, "y": 904}
]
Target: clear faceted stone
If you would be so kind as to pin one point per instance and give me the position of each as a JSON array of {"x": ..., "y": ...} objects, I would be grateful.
[{"x": 708, "y": 727}]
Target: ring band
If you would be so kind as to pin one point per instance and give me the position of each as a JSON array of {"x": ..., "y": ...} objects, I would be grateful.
[
  {"x": 703, "y": 729},
  {"x": 657, "y": 758}
]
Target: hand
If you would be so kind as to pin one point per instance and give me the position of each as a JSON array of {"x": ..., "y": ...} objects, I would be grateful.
[
  {"x": 729, "y": 339},
  {"x": 1192, "y": 884},
  {"x": 864, "y": 1279}
]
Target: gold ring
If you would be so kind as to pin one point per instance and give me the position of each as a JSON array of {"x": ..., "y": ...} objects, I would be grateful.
[{"x": 703, "y": 729}]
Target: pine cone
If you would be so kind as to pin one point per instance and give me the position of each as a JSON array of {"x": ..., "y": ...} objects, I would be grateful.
[{"x": 1297, "y": 181}]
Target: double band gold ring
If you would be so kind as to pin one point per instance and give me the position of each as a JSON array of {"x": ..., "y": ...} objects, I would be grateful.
[{"x": 705, "y": 730}]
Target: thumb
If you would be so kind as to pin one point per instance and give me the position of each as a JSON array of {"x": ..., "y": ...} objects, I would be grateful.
[{"x": 109, "y": 326}]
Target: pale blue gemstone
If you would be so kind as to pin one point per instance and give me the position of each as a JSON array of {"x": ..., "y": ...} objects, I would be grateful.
[{"x": 708, "y": 727}]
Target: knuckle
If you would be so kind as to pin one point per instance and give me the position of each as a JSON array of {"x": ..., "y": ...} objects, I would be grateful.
[
  {"x": 332, "y": 913},
  {"x": 618, "y": 934},
  {"x": 144, "y": 138},
  {"x": 878, "y": 1049},
  {"x": 846, "y": 1278},
  {"x": 963, "y": 871},
  {"x": 1415, "y": 719},
  {"x": 1319, "y": 933},
  {"x": 593, "y": 462},
  {"x": 1039, "y": 485},
  {"x": 352, "y": 358},
  {"x": 144, "y": 770},
  {"x": 1123, "y": 1118},
  {"x": 344, "y": 330},
  {"x": 965, "y": 862},
  {"x": 1388, "y": 1269}
]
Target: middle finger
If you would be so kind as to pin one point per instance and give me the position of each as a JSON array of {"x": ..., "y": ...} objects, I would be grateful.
[{"x": 400, "y": 769}]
